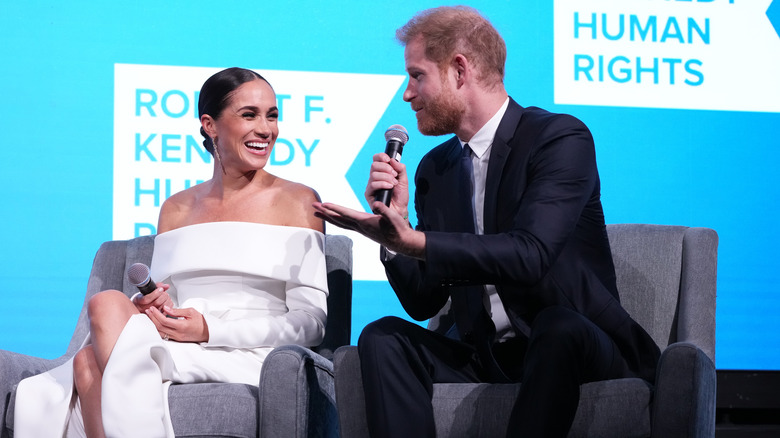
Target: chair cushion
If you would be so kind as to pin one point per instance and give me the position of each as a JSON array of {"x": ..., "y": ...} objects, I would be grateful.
[
  {"x": 472, "y": 409},
  {"x": 609, "y": 408},
  {"x": 214, "y": 409},
  {"x": 613, "y": 408}
]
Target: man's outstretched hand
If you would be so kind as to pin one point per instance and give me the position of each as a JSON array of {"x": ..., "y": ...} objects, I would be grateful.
[{"x": 385, "y": 226}]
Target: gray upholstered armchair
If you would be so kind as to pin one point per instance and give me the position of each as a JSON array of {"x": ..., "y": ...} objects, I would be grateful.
[
  {"x": 667, "y": 278},
  {"x": 295, "y": 396}
]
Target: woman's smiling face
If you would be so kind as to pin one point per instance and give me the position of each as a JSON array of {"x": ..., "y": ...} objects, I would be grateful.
[{"x": 247, "y": 129}]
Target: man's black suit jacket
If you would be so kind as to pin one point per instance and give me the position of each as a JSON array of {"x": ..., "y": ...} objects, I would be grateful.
[{"x": 544, "y": 242}]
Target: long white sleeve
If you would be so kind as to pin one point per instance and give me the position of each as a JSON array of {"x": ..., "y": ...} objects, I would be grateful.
[{"x": 302, "y": 324}]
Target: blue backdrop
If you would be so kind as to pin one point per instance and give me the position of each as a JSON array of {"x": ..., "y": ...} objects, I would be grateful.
[{"x": 695, "y": 167}]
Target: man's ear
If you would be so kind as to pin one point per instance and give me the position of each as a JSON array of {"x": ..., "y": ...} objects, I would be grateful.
[{"x": 462, "y": 69}]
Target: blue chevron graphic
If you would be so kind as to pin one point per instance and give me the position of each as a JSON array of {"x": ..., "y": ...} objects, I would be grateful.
[{"x": 773, "y": 13}]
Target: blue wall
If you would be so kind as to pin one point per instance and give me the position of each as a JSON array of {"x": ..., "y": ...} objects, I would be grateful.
[{"x": 691, "y": 167}]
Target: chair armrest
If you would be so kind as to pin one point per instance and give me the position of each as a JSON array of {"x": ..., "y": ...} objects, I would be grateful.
[
  {"x": 13, "y": 368},
  {"x": 684, "y": 400},
  {"x": 297, "y": 395},
  {"x": 349, "y": 393}
]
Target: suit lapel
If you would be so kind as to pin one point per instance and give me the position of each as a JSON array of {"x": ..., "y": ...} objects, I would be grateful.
[{"x": 499, "y": 153}]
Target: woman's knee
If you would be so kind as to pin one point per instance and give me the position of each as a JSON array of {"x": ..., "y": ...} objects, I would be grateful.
[{"x": 106, "y": 305}]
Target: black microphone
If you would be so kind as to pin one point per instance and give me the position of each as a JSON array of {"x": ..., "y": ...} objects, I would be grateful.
[
  {"x": 396, "y": 138},
  {"x": 138, "y": 274}
]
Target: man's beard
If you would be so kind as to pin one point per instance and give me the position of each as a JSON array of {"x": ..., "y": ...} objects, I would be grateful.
[{"x": 441, "y": 115}]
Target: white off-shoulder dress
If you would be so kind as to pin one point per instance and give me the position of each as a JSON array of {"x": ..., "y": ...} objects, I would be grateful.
[{"x": 258, "y": 287}]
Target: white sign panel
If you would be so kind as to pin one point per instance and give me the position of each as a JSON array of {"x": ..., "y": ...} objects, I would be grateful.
[
  {"x": 324, "y": 121},
  {"x": 694, "y": 54}
]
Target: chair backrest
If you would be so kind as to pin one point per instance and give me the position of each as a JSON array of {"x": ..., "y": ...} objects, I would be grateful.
[
  {"x": 338, "y": 329},
  {"x": 114, "y": 257},
  {"x": 666, "y": 277}
]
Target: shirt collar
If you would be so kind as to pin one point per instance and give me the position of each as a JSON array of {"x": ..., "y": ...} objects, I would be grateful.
[{"x": 483, "y": 139}]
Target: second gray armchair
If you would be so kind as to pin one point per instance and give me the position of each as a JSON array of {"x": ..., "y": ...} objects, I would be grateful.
[{"x": 667, "y": 278}]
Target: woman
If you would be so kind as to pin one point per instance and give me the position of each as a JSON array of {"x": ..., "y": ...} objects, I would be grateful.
[{"x": 243, "y": 271}]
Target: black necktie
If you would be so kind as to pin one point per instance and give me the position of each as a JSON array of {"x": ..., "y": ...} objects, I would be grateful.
[
  {"x": 467, "y": 188},
  {"x": 474, "y": 324}
]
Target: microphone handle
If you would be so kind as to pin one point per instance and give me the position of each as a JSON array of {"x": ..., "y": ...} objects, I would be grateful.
[
  {"x": 393, "y": 149},
  {"x": 147, "y": 287}
]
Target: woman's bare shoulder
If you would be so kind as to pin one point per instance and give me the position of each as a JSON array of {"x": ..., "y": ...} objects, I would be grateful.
[
  {"x": 300, "y": 191},
  {"x": 177, "y": 208},
  {"x": 296, "y": 205}
]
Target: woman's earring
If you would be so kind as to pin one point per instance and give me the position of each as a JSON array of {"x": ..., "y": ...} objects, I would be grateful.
[{"x": 216, "y": 154}]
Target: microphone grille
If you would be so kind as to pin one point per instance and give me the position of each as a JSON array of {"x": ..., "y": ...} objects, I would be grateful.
[
  {"x": 397, "y": 132},
  {"x": 138, "y": 274}
]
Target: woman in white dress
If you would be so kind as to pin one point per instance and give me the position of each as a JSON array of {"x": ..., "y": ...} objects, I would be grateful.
[{"x": 242, "y": 269}]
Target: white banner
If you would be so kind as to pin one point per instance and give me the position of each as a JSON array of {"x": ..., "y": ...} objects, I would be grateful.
[
  {"x": 324, "y": 121},
  {"x": 694, "y": 54}
]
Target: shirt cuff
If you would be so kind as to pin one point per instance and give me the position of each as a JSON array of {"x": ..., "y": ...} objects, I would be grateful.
[{"x": 386, "y": 255}]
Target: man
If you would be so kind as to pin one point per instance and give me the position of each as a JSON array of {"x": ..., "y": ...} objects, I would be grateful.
[{"x": 518, "y": 244}]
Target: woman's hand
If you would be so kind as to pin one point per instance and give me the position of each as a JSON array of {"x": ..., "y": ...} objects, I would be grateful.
[
  {"x": 159, "y": 298},
  {"x": 182, "y": 325}
]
